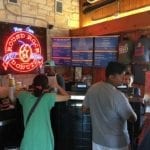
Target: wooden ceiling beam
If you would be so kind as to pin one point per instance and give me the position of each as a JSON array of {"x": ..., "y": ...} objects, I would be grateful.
[{"x": 130, "y": 23}]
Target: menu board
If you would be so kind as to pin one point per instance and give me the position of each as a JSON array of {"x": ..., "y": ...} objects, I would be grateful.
[
  {"x": 61, "y": 50},
  {"x": 82, "y": 51},
  {"x": 105, "y": 50}
]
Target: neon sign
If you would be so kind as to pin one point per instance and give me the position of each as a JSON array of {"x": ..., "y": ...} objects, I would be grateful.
[{"x": 22, "y": 52}]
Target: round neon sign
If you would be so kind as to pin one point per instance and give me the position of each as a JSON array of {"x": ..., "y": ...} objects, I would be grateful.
[{"x": 22, "y": 52}]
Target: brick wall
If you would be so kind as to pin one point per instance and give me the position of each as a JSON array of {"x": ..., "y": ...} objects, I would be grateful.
[{"x": 40, "y": 13}]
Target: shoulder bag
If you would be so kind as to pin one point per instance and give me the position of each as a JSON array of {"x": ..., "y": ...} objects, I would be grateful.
[{"x": 33, "y": 108}]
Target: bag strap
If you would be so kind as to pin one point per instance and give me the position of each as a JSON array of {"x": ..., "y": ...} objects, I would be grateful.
[{"x": 33, "y": 108}]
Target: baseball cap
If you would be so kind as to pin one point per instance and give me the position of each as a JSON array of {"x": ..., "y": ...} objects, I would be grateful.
[{"x": 49, "y": 63}]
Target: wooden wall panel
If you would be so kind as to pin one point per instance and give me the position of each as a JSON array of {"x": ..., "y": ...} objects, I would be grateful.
[
  {"x": 126, "y": 5},
  {"x": 109, "y": 9},
  {"x": 104, "y": 12},
  {"x": 130, "y": 23},
  {"x": 98, "y": 74}
]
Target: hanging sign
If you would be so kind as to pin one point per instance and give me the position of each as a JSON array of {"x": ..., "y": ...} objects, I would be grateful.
[{"x": 22, "y": 51}]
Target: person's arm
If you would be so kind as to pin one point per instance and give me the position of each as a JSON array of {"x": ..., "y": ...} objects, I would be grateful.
[
  {"x": 85, "y": 109},
  {"x": 54, "y": 84},
  {"x": 85, "y": 105},
  {"x": 61, "y": 98},
  {"x": 62, "y": 95},
  {"x": 60, "y": 80},
  {"x": 133, "y": 118},
  {"x": 61, "y": 90},
  {"x": 125, "y": 109}
]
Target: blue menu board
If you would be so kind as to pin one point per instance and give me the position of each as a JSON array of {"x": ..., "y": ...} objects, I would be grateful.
[
  {"x": 105, "y": 50},
  {"x": 61, "y": 50},
  {"x": 82, "y": 51}
]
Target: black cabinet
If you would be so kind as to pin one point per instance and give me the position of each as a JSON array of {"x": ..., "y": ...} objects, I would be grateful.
[
  {"x": 135, "y": 128},
  {"x": 80, "y": 137},
  {"x": 11, "y": 128},
  {"x": 60, "y": 125},
  {"x": 71, "y": 126}
]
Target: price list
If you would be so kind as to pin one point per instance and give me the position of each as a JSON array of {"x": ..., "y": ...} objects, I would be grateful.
[
  {"x": 82, "y": 51},
  {"x": 105, "y": 50},
  {"x": 61, "y": 51}
]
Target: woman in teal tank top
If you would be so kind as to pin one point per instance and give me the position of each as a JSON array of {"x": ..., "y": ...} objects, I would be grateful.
[{"x": 38, "y": 134}]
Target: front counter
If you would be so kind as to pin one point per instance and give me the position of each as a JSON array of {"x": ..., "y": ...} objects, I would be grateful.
[
  {"x": 135, "y": 128},
  {"x": 139, "y": 108},
  {"x": 71, "y": 126},
  {"x": 11, "y": 128}
]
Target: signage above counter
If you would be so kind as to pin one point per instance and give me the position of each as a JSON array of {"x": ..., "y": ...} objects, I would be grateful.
[
  {"x": 84, "y": 51},
  {"x": 105, "y": 50},
  {"x": 22, "y": 48},
  {"x": 61, "y": 50}
]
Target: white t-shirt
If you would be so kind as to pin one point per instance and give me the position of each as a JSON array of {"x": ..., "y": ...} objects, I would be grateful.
[{"x": 109, "y": 110}]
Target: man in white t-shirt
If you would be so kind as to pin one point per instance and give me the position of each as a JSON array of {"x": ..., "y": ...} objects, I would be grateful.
[{"x": 109, "y": 110}]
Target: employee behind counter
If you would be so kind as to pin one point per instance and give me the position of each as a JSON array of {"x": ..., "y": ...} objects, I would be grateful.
[
  {"x": 128, "y": 88},
  {"x": 50, "y": 71}
]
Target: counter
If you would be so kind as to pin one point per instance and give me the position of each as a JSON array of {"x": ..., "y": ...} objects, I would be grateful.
[
  {"x": 139, "y": 108},
  {"x": 71, "y": 126},
  {"x": 11, "y": 128},
  {"x": 135, "y": 128}
]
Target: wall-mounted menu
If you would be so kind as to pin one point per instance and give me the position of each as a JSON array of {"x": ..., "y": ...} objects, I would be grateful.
[
  {"x": 82, "y": 51},
  {"x": 61, "y": 50},
  {"x": 105, "y": 50}
]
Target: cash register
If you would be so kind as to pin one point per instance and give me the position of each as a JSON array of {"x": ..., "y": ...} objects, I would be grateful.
[
  {"x": 78, "y": 91},
  {"x": 79, "y": 87}
]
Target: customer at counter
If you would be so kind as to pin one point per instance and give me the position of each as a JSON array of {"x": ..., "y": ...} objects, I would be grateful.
[
  {"x": 109, "y": 110},
  {"x": 38, "y": 134}
]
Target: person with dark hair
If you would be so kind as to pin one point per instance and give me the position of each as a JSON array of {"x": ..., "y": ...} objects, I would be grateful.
[
  {"x": 36, "y": 106},
  {"x": 109, "y": 110},
  {"x": 128, "y": 79},
  {"x": 131, "y": 89}
]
